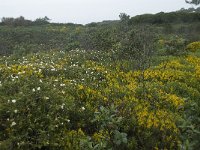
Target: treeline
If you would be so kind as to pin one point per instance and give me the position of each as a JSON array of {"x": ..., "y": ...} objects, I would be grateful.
[
  {"x": 182, "y": 16},
  {"x": 21, "y": 21},
  {"x": 191, "y": 9}
]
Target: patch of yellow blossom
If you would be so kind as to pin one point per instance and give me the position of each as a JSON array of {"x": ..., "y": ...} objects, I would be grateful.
[
  {"x": 161, "y": 41},
  {"x": 160, "y": 119},
  {"x": 22, "y": 70},
  {"x": 100, "y": 135},
  {"x": 174, "y": 64},
  {"x": 194, "y": 46},
  {"x": 95, "y": 66},
  {"x": 73, "y": 138},
  {"x": 197, "y": 70},
  {"x": 162, "y": 74},
  {"x": 193, "y": 60},
  {"x": 131, "y": 82},
  {"x": 175, "y": 100},
  {"x": 80, "y": 87}
]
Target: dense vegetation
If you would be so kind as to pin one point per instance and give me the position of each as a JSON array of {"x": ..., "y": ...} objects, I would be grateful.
[
  {"x": 23, "y": 36},
  {"x": 128, "y": 84}
]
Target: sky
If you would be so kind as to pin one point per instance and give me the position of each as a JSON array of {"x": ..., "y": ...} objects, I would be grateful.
[{"x": 85, "y": 11}]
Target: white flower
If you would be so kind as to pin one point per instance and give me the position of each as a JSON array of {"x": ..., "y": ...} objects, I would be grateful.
[
  {"x": 68, "y": 120},
  {"x": 38, "y": 88},
  {"x": 46, "y": 97},
  {"x": 63, "y": 92},
  {"x": 53, "y": 69},
  {"x": 13, "y": 124},
  {"x": 13, "y": 101},
  {"x": 33, "y": 89},
  {"x": 40, "y": 81},
  {"x": 62, "y": 106},
  {"x": 15, "y": 110},
  {"x": 62, "y": 84},
  {"x": 83, "y": 108}
]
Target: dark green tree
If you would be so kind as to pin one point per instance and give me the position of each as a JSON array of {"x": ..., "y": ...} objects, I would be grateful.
[
  {"x": 41, "y": 21},
  {"x": 7, "y": 20},
  {"x": 20, "y": 21},
  {"x": 124, "y": 17}
]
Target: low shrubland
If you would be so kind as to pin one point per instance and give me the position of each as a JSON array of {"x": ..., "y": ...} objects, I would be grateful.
[{"x": 90, "y": 100}]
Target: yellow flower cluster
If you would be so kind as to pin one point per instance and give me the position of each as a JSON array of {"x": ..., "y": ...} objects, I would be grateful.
[
  {"x": 193, "y": 47},
  {"x": 22, "y": 70},
  {"x": 195, "y": 61},
  {"x": 174, "y": 64},
  {"x": 197, "y": 69},
  {"x": 175, "y": 100},
  {"x": 158, "y": 119}
]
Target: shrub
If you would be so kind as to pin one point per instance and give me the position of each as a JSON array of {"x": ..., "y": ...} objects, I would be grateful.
[{"x": 175, "y": 46}]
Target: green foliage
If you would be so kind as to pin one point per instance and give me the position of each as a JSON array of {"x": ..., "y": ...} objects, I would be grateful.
[
  {"x": 109, "y": 122},
  {"x": 166, "y": 18},
  {"x": 42, "y": 21},
  {"x": 174, "y": 45},
  {"x": 18, "y": 35},
  {"x": 138, "y": 46},
  {"x": 33, "y": 116},
  {"x": 190, "y": 127},
  {"x": 124, "y": 18},
  {"x": 20, "y": 21}
]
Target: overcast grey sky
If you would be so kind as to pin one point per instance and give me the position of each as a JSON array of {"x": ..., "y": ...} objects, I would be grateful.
[{"x": 85, "y": 11}]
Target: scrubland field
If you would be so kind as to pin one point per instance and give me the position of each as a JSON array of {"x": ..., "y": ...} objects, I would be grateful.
[{"x": 127, "y": 84}]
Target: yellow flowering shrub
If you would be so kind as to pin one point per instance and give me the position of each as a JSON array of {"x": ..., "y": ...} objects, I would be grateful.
[
  {"x": 197, "y": 69},
  {"x": 65, "y": 91},
  {"x": 193, "y": 47},
  {"x": 194, "y": 60},
  {"x": 160, "y": 119}
]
